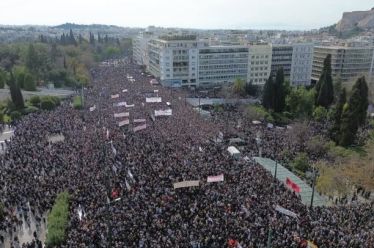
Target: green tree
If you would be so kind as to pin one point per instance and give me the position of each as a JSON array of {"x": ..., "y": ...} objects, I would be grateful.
[
  {"x": 268, "y": 94},
  {"x": 280, "y": 92},
  {"x": 300, "y": 102},
  {"x": 239, "y": 87},
  {"x": 3, "y": 78},
  {"x": 324, "y": 86},
  {"x": 320, "y": 113},
  {"x": 15, "y": 92},
  {"x": 363, "y": 88},
  {"x": 32, "y": 60},
  {"x": 354, "y": 113},
  {"x": 29, "y": 82},
  {"x": 334, "y": 133},
  {"x": 338, "y": 87}
]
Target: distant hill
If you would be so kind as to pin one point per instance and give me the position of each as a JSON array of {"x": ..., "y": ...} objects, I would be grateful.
[
  {"x": 69, "y": 26},
  {"x": 356, "y": 20}
]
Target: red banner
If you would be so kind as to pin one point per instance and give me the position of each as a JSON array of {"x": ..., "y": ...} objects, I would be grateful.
[{"x": 293, "y": 185}]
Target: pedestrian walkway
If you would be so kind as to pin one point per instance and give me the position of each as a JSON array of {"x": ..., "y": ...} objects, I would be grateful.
[{"x": 283, "y": 173}]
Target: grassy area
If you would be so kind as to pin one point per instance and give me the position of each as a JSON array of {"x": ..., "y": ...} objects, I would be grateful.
[
  {"x": 352, "y": 167},
  {"x": 58, "y": 220}
]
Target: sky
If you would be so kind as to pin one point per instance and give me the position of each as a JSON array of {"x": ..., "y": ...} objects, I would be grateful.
[{"x": 205, "y": 14}]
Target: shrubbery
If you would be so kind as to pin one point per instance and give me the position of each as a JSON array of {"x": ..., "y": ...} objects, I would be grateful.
[
  {"x": 77, "y": 102},
  {"x": 49, "y": 102},
  {"x": 301, "y": 163},
  {"x": 58, "y": 220}
]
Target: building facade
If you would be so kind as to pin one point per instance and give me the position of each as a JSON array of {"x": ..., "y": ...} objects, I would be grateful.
[
  {"x": 348, "y": 63},
  {"x": 221, "y": 65},
  {"x": 183, "y": 60},
  {"x": 259, "y": 63},
  {"x": 281, "y": 58},
  {"x": 302, "y": 63}
]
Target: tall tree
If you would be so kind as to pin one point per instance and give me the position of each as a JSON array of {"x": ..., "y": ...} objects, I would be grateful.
[
  {"x": 324, "y": 86},
  {"x": 72, "y": 40},
  {"x": 354, "y": 113},
  {"x": 15, "y": 92},
  {"x": 32, "y": 60},
  {"x": 280, "y": 91},
  {"x": 334, "y": 133},
  {"x": 268, "y": 94},
  {"x": 363, "y": 88}
]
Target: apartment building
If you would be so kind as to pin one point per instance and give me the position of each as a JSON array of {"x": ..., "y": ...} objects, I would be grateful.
[
  {"x": 347, "y": 62},
  {"x": 259, "y": 63}
]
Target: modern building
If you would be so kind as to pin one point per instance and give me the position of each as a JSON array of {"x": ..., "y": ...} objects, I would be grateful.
[
  {"x": 259, "y": 63},
  {"x": 302, "y": 63},
  {"x": 183, "y": 60},
  {"x": 348, "y": 63},
  {"x": 219, "y": 65},
  {"x": 174, "y": 59},
  {"x": 281, "y": 58},
  {"x": 296, "y": 60}
]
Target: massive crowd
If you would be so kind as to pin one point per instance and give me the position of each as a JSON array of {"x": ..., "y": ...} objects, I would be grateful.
[{"x": 121, "y": 181}]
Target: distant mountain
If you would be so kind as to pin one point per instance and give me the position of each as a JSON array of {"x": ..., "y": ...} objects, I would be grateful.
[
  {"x": 356, "y": 20},
  {"x": 69, "y": 26}
]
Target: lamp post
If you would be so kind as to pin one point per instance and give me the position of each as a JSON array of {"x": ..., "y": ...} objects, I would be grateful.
[
  {"x": 313, "y": 186},
  {"x": 275, "y": 154}
]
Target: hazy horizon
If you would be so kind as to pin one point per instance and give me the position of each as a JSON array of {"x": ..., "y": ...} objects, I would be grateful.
[{"x": 208, "y": 14}]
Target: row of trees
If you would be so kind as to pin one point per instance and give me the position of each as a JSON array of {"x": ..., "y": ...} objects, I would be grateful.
[{"x": 318, "y": 102}]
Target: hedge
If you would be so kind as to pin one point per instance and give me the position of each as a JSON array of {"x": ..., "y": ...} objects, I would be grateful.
[{"x": 58, "y": 220}]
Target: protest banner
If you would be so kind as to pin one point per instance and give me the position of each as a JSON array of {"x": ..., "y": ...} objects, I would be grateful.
[
  {"x": 186, "y": 184},
  {"x": 212, "y": 179},
  {"x": 123, "y": 114}
]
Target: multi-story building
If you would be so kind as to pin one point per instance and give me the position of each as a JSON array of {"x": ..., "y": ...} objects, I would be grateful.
[
  {"x": 296, "y": 60},
  {"x": 302, "y": 62},
  {"x": 174, "y": 59},
  {"x": 183, "y": 60},
  {"x": 348, "y": 63},
  {"x": 141, "y": 48},
  {"x": 220, "y": 65},
  {"x": 281, "y": 58},
  {"x": 259, "y": 63}
]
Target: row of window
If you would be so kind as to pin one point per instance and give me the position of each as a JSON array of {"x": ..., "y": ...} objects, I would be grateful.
[{"x": 259, "y": 62}]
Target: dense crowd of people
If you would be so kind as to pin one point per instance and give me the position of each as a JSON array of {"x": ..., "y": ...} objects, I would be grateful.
[{"x": 121, "y": 180}]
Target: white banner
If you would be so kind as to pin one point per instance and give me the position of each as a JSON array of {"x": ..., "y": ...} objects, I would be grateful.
[
  {"x": 186, "y": 184},
  {"x": 141, "y": 127},
  {"x": 129, "y": 105},
  {"x": 114, "y": 96},
  {"x": 212, "y": 179},
  {"x": 167, "y": 112},
  {"x": 285, "y": 211},
  {"x": 119, "y": 104},
  {"x": 153, "y": 99},
  {"x": 139, "y": 120},
  {"x": 124, "y": 122},
  {"x": 119, "y": 115},
  {"x": 125, "y": 90}
]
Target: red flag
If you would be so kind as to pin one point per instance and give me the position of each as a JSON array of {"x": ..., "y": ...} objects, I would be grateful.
[
  {"x": 293, "y": 185},
  {"x": 232, "y": 243}
]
